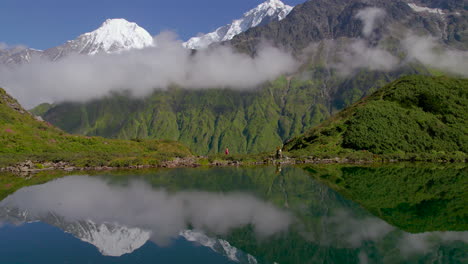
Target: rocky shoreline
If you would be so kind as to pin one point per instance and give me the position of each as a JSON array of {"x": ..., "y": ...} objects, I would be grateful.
[{"x": 30, "y": 167}]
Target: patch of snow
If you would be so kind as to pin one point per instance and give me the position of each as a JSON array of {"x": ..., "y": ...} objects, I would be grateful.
[{"x": 417, "y": 8}]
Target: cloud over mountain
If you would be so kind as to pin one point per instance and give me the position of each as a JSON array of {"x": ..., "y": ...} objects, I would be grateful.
[{"x": 79, "y": 78}]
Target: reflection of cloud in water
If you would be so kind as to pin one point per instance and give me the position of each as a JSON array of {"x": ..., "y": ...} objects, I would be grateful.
[
  {"x": 368, "y": 233},
  {"x": 137, "y": 205},
  {"x": 354, "y": 231}
]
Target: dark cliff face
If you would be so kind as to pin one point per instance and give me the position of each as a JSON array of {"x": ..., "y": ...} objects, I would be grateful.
[{"x": 317, "y": 20}]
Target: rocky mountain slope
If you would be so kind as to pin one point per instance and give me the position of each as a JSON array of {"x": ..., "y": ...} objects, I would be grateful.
[{"x": 314, "y": 21}]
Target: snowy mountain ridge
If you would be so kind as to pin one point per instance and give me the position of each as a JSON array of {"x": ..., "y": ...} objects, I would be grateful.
[
  {"x": 271, "y": 10},
  {"x": 113, "y": 36},
  {"x": 118, "y": 35}
]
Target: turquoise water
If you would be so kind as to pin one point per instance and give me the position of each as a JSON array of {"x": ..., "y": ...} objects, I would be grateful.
[{"x": 239, "y": 215}]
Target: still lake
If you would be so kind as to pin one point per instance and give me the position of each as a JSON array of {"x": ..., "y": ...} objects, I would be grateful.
[{"x": 315, "y": 214}]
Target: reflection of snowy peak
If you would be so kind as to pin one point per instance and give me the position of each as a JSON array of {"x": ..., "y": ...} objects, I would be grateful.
[
  {"x": 110, "y": 239},
  {"x": 114, "y": 35},
  {"x": 218, "y": 245},
  {"x": 266, "y": 12},
  {"x": 116, "y": 240}
]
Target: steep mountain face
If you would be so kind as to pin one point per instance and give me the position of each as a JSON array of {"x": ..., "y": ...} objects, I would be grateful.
[
  {"x": 314, "y": 21},
  {"x": 271, "y": 10},
  {"x": 113, "y": 36}
]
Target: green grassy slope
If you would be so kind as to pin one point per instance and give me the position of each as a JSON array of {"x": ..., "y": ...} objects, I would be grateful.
[
  {"x": 23, "y": 137},
  {"x": 415, "y": 117}
]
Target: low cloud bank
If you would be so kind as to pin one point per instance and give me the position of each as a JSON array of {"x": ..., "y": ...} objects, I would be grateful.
[{"x": 80, "y": 78}]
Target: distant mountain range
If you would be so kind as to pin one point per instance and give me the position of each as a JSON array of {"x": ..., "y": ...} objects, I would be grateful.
[
  {"x": 117, "y": 35},
  {"x": 114, "y": 36},
  {"x": 327, "y": 36}
]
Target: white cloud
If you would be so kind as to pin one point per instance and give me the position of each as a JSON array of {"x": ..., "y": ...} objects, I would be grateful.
[
  {"x": 358, "y": 55},
  {"x": 370, "y": 16},
  {"x": 428, "y": 51}
]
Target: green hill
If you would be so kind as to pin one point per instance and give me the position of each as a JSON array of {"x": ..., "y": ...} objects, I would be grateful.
[
  {"x": 23, "y": 137},
  {"x": 415, "y": 117}
]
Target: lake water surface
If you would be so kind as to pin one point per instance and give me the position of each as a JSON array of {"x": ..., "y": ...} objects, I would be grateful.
[{"x": 389, "y": 214}]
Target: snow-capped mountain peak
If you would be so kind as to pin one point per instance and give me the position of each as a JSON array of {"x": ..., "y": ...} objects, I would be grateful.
[
  {"x": 264, "y": 13},
  {"x": 271, "y": 7},
  {"x": 115, "y": 35}
]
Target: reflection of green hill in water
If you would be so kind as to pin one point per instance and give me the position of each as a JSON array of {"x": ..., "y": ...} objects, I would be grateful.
[
  {"x": 329, "y": 228},
  {"x": 414, "y": 198}
]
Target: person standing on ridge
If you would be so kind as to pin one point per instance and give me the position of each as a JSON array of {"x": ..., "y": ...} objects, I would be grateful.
[
  {"x": 226, "y": 151},
  {"x": 279, "y": 153}
]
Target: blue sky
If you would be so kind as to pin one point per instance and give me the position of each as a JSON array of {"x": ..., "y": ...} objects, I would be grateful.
[{"x": 42, "y": 24}]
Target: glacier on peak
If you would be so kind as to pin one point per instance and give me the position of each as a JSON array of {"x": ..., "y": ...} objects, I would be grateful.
[{"x": 264, "y": 13}]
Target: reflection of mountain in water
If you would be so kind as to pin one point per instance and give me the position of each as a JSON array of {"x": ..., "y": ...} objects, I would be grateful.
[
  {"x": 109, "y": 239},
  {"x": 319, "y": 224},
  {"x": 115, "y": 240},
  {"x": 218, "y": 245}
]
